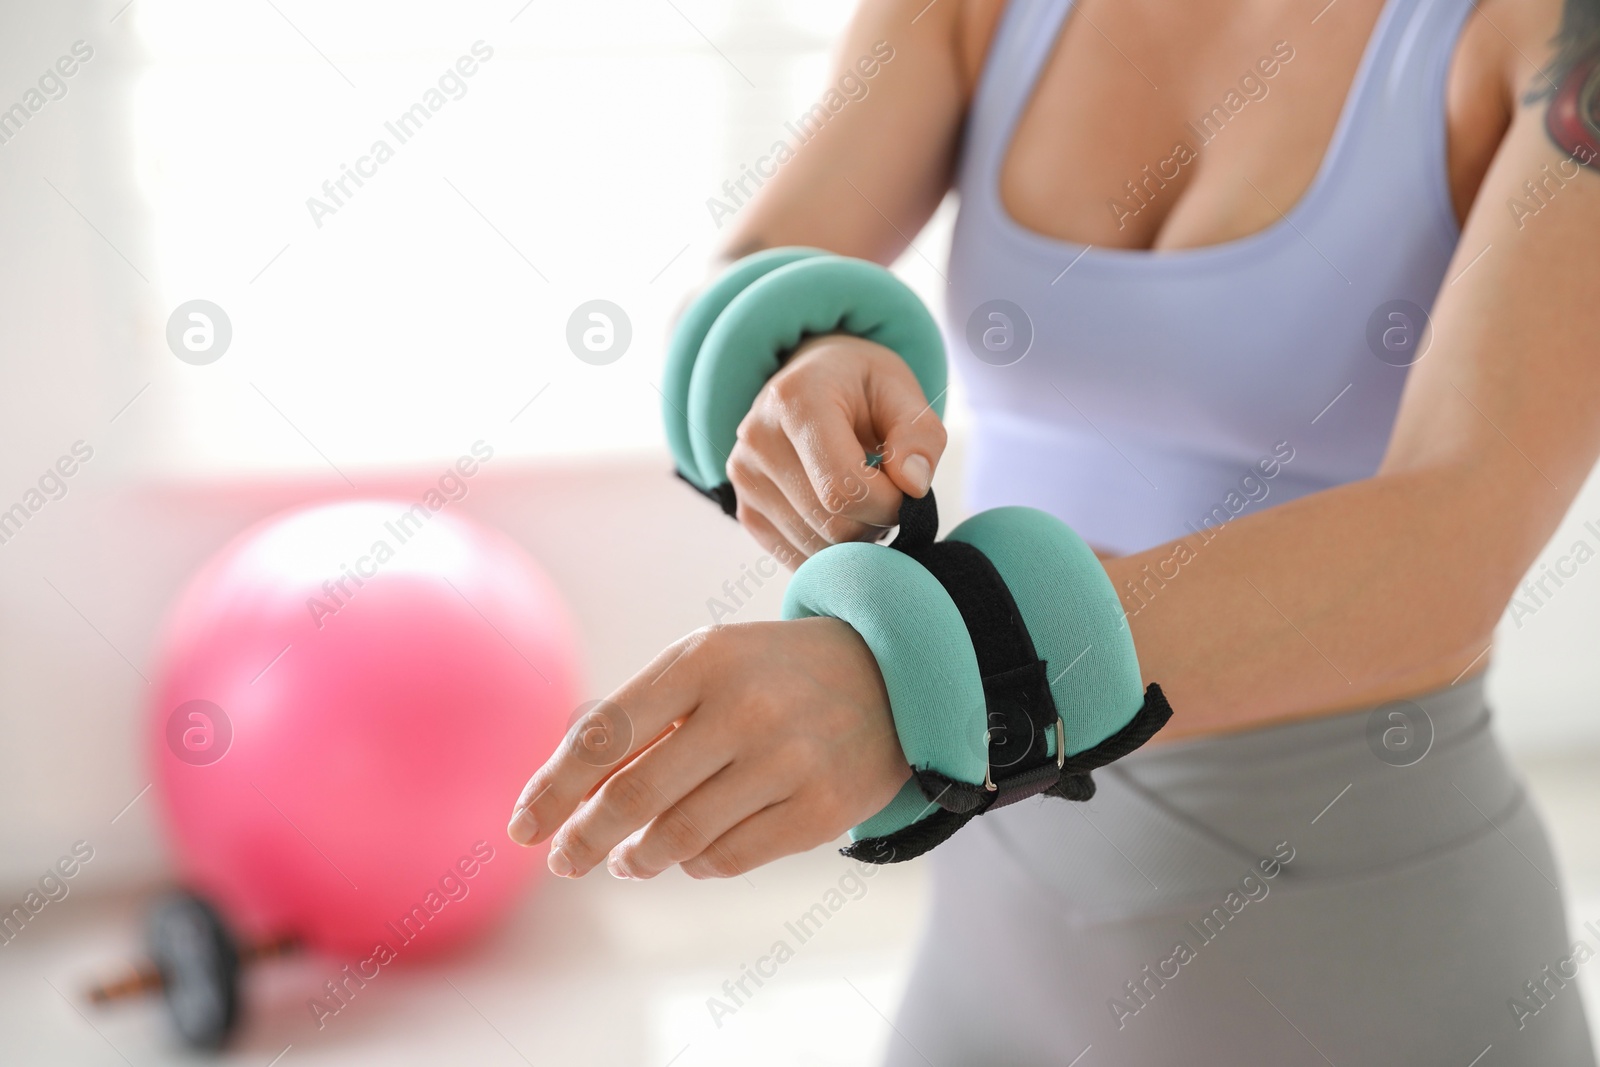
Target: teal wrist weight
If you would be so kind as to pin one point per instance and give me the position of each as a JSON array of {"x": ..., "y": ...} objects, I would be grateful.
[
  {"x": 736, "y": 334},
  {"x": 1008, "y": 663},
  {"x": 1009, "y": 666}
]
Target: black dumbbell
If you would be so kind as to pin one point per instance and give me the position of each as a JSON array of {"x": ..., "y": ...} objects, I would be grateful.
[{"x": 195, "y": 963}]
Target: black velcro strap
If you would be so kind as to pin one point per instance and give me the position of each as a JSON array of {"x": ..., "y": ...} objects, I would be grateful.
[
  {"x": 721, "y": 495},
  {"x": 908, "y": 842},
  {"x": 1075, "y": 783},
  {"x": 1020, "y": 713},
  {"x": 919, "y": 524}
]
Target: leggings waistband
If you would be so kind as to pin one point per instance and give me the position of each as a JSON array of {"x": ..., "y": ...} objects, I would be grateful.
[{"x": 1351, "y": 794}]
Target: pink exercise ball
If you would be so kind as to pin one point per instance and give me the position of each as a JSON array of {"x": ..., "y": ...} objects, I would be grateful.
[{"x": 348, "y": 700}]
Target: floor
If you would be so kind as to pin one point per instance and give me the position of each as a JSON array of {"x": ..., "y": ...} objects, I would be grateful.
[{"x": 597, "y": 972}]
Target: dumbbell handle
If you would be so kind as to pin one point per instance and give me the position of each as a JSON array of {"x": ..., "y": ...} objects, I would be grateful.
[{"x": 144, "y": 977}]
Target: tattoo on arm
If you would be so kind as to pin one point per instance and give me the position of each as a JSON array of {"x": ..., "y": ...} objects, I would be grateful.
[{"x": 1571, "y": 84}]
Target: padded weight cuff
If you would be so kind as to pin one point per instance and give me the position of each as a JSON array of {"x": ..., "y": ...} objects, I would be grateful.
[
  {"x": 737, "y": 333},
  {"x": 1008, "y": 663}
]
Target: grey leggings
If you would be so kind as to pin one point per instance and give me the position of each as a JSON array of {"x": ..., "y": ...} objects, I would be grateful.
[{"x": 1300, "y": 895}]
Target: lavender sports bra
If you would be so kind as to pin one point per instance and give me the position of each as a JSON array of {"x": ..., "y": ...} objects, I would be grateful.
[{"x": 1139, "y": 395}]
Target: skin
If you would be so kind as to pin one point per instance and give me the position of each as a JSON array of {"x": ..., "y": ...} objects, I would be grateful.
[
  {"x": 834, "y": 393},
  {"x": 771, "y": 738}
]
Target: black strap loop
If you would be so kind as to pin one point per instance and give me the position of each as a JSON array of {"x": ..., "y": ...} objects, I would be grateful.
[
  {"x": 1020, "y": 712},
  {"x": 919, "y": 524}
]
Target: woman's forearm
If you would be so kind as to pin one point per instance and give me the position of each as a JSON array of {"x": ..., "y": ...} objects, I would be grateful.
[{"x": 1351, "y": 596}]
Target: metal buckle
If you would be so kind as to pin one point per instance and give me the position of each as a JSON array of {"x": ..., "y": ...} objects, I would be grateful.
[{"x": 1061, "y": 754}]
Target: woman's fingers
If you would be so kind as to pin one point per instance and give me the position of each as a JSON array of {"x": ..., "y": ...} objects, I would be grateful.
[
  {"x": 681, "y": 762},
  {"x": 820, "y": 404},
  {"x": 693, "y": 824},
  {"x": 779, "y": 830},
  {"x": 768, "y": 537},
  {"x": 649, "y": 786},
  {"x": 831, "y": 459},
  {"x": 914, "y": 438},
  {"x": 827, "y": 517},
  {"x": 605, "y": 738},
  {"x": 813, "y": 425},
  {"x": 756, "y": 492}
]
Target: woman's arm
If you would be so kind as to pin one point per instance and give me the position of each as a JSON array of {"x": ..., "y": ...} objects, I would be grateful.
[
  {"x": 1393, "y": 585},
  {"x": 874, "y": 172},
  {"x": 869, "y": 174}
]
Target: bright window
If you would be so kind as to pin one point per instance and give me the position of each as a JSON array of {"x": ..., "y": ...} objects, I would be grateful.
[{"x": 427, "y": 306}]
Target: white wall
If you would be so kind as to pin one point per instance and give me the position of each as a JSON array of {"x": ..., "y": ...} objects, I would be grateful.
[{"x": 1545, "y": 678}]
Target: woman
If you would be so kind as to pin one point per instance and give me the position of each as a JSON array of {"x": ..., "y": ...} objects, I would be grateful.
[{"x": 1194, "y": 247}]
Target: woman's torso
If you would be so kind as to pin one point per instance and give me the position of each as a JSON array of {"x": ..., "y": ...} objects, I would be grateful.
[{"x": 1258, "y": 353}]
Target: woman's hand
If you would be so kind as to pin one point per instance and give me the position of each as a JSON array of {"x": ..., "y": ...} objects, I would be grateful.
[
  {"x": 799, "y": 468},
  {"x": 738, "y": 745}
]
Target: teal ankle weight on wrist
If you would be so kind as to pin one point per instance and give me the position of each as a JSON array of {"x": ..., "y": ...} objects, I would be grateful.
[
  {"x": 1071, "y": 609},
  {"x": 736, "y": 334},
  {"x": 690, "y": 333},
  {"x": 1008, "y": 663}
]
